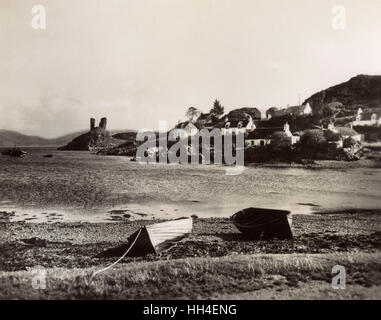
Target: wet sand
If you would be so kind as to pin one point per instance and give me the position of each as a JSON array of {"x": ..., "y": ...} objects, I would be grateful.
[{"x": 80, "y": 186}]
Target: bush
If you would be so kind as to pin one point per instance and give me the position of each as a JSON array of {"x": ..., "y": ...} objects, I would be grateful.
[
  {"x": 280, "y": 141},
  {"x": 332, "y": 109},
  {"x": 313, "y": 144},
  {"x": 349, "y": 142},
  {"x": 313, "y": 138}
]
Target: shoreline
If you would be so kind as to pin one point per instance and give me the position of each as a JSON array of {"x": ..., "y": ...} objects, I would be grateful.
[
  {"x": 72, "y": 247},
  {"x": 372, "y": 159}
]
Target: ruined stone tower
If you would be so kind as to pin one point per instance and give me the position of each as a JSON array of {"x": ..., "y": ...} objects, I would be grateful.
[
  {"x": 103, "y": 123},
  {"x": 92, "y": 124}
]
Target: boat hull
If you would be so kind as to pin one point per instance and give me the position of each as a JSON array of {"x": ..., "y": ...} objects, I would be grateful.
[
  {"x": 153, "y": 238},
  {"x": 264, "y": 224}
]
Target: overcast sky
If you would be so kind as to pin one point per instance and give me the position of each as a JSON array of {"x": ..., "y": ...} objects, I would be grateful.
[{"x": 141, "y": 61}]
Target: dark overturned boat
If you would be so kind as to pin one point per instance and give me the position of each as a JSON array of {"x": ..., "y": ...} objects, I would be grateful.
[
  {"x": 264, "y": 224},
  {"x": 152, "y": 238}
]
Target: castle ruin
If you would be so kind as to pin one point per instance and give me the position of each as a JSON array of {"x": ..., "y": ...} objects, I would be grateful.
[
  {"x": 92, "y": 124},
  {"x": 102, "y": 124}
]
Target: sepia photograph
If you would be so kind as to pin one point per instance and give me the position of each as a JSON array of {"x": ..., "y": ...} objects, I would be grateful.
[{"x": 193, "y": 150}]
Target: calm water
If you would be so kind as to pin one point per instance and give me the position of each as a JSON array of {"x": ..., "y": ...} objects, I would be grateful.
[{"x": 80, "y": 186}]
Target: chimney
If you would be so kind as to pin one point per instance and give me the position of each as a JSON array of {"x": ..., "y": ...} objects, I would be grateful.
[{"x": 92, "y": 124}]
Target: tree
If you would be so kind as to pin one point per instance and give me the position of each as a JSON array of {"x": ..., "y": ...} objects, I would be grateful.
[
  {"x": 331, "y": 109},
  {"x": 280, "y": 141},
  {"x": 313, "y": 138},
  {"x": 349, "y": 142},
  {"x": 192, "y": 113},
  {"x": 312, "y": 143},
  {"x": 217, "y": 111},
  {"x": 271, "y": 112}
]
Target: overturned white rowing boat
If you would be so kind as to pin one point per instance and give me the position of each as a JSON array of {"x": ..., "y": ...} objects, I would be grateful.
[
  {"x": 150, "y": 239},
  {"x": 153, "y": 238}
]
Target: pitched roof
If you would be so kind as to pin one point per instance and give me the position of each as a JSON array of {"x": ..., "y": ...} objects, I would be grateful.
[
  {"x": 295, "y": 109},
  {"x": 303, "y": 132},
  {"x": 332, "y": 136},
  {"x": 182, "y": 125},
  {"x": 290, "y": 110},
  {"x": 346, "y": 131},
  {"x": 205, "y": 116},
  {"x": 262, "y": 133},
  {"x": 279, "y": 113},
  {"x": 367, "y": 115},
  {"x": 233, "y": 123},
  {"x": 243, "y": 113}
]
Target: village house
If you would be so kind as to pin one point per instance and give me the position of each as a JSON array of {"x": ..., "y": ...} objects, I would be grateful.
[
  {"x": 366, "y": 119},
  {"x": 336, "y": 135},
  {"x": 189, "y": 127},
  {"x": 332, "y": 136},
  {"x": 345, "y": 132},
  {"x": 238, "y": 126},
  {"x": 304, "y": 109},
  {"x": 264, "y": 136}
]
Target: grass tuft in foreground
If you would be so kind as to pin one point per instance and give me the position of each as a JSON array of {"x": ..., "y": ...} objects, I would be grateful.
[{"x": 195, "y": 277}]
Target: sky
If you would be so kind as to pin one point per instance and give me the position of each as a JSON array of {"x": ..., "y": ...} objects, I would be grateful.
[{"x": 140, "y": 61}]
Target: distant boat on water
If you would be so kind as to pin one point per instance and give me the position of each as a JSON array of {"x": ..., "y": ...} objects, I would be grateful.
[{"x": 14, "y": 152}]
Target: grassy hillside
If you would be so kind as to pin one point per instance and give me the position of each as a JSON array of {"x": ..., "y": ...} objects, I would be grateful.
[{"x": 362, "y": 90}]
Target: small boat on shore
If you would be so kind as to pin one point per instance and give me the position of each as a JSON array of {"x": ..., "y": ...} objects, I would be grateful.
[
  {"x": 264, "y": 224},
  {"x": 152, "y": 238}
]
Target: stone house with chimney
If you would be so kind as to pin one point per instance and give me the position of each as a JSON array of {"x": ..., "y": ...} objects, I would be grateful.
[
  {"x": 366, "y": 119},
  {"x": 304, "y": 109},
  {"x": 237, "y": 126},
  {"x": 264, "y": 136}
]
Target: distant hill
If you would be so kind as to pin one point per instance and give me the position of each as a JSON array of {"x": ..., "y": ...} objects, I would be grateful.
[
  {"x": 362, "y": 90},
  {"x": 66, "y": 138},
  {"x": 128, "y": 135},
  {"x": 9, "y": 138}
]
